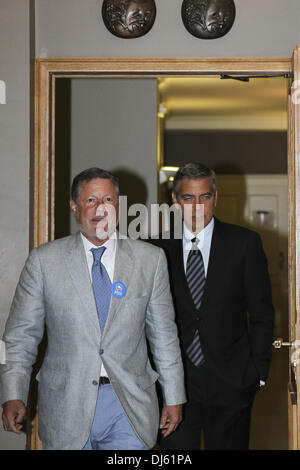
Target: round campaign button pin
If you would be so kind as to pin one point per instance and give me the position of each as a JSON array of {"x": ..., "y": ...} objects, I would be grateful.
[{"x": 118, "y": 290}]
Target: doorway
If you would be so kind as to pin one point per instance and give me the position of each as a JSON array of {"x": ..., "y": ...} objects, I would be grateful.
[
  {"x": 237, "y": 128},
  {"x": 49, "y": 72}
]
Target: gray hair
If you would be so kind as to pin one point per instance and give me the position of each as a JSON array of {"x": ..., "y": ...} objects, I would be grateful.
[
  {"x": 194, "y": 171},
  {"x": 88, "y": 175}
]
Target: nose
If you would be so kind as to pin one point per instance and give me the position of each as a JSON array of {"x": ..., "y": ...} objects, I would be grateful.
[
  {"x": 199, "y": 201},
  {"x": 101, "y": 208},
  {"x": 197, "y": 208}
]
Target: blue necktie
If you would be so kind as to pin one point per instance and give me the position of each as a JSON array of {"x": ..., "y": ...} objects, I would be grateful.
[
  {"x": 195, "y": 275},
  {"x": 101, "y": 285}
]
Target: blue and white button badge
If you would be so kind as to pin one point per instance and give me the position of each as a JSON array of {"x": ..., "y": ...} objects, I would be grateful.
[{"x": 118, "y": 290}]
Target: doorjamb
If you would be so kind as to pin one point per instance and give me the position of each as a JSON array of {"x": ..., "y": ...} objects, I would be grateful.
[{"x": 47, "y": 71}]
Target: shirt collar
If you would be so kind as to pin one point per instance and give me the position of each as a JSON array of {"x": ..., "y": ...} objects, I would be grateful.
[
  {"x": 188, "y": 235},
  {"x": 110, "y": 244}
]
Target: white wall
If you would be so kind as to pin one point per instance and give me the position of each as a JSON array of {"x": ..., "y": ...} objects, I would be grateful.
[
  {"x": 14, "y": 155},
  {"x": 113, "y": 126},
  {"x": 74, "y": 28}
]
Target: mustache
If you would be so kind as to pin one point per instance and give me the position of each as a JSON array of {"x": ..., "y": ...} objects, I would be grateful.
[
  {"x": 101, "y": 234},
  {"x": 99, "y": 218}
]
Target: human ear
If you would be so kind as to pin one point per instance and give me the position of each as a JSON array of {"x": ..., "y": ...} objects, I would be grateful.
[
  {"x": 73, "y": 207},
  {"x": 174, "y": 198}
]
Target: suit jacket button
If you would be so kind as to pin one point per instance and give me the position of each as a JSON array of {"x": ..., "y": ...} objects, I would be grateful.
[
  {"x": 101, "y": 351},
  {"x": 95, "y": 382}
]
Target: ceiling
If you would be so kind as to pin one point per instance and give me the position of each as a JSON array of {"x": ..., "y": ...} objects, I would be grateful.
[{"x": 203, "y": 103}]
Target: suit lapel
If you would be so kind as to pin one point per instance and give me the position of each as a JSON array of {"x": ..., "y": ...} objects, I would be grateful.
[
  {"x": 179, "y": 273},
  {"x": 122, "y": 273},
  {"x": 78, "y": 269},
  {"x": 217, "y": 257}
]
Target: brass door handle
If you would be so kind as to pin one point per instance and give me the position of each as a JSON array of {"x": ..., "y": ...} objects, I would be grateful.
[{"x": 279, "y": 343}]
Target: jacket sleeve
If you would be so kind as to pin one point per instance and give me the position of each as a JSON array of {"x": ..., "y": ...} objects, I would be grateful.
[
  {"x": 23, "y": 332},
  {"x": 162, "y": 335}
]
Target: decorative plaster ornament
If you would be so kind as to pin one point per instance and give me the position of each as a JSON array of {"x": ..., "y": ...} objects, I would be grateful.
[
  {"x": 208, "y": 19},
  {"x": 129, "y": 18}
]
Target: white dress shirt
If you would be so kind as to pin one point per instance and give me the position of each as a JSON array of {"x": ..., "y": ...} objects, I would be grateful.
[
  {"x": 108, "y": 260},
  {"x": 204, "y": 243}
]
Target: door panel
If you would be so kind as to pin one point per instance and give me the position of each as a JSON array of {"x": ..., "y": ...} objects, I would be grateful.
[{"x": 294, "y": 256}]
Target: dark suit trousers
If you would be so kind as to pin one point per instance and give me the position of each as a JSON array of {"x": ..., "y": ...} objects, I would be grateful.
[
  {"x": 222, "y": 414},
  {"x": 224, "y": 428}
]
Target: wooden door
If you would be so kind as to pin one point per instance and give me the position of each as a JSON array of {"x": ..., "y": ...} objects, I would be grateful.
[{"x": 294, "y": 253}]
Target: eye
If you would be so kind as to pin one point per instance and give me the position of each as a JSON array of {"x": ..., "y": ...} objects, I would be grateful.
[
  {"x": 205, "y": 197},
  {"x": 91, "y": 201},
  {"x": 108, "y": 199}
]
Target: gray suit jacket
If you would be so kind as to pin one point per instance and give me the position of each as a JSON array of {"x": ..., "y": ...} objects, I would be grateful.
[{"x": 55, "y": 290}]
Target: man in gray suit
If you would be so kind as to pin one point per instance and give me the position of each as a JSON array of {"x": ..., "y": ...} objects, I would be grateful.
[{"x": 97, "y": 389}]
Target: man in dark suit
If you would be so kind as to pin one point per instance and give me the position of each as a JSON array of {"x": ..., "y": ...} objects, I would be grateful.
[{"x": 222, "y": 295}]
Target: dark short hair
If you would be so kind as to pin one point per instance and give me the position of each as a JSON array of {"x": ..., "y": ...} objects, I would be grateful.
[
  {"x": 91, "y": 174},
  {"x": 194, "y": 171}
]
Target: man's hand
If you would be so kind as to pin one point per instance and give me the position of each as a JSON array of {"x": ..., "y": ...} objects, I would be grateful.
[
  {"x": 13, "y": 414},
  {"x": 170, "y": 418}
]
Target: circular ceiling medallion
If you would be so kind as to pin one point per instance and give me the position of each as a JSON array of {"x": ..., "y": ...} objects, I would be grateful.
[
  {"x": 129, "y": 18},
  {"x": 208, "y": 19}
]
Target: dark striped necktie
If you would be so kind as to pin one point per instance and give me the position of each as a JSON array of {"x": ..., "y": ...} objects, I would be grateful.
[{"x": 195, "y": 275}]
